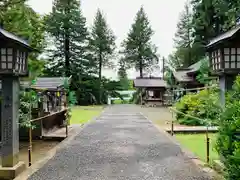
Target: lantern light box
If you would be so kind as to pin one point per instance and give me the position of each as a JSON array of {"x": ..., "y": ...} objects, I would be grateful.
[
  {"x": 224, "y": 52},
  {"x": 13, "y": 54}
]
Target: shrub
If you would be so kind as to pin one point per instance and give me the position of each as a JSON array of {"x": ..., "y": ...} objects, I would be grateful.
[
  {"x": 203, "y": 105},
  {"x": 228, "y": 141},
  {"x": 24, "y": 116},
  {"x": 27, "y": 98}
]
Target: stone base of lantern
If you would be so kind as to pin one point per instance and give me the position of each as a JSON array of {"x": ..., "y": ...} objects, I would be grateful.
[{"x": 9, "y": 173}]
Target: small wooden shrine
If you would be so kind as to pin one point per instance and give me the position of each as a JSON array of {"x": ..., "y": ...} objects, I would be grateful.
[
  {"x": 153, "y": 90},
  {"x": 48, "y": 114}
]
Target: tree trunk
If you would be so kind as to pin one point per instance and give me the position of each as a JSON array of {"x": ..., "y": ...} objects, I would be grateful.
[
  {"x": 189, "y": 37},
  {"x": 141, "y": 68},
  {"x": 163, "y": 67},
  {"x": 140, "y": 60},
  {"x": 100, "y": 77},
  {"x": 67, "y": 46},
  {"x": 67, "y": 56}
]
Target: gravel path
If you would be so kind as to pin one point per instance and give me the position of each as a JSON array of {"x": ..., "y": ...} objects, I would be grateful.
[{"x": 120, "y": 145}]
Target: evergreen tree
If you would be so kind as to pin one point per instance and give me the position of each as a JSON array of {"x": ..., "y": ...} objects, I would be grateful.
[
  {"x": 183, "y": 37},
  {"x": 102, "y": 44},
  {"x": 20, "y": 19},
  {"x": 67, "y": 27},
  {"x": 233, "y": 13},
  {"x": 209, "y": 18},
  {"x": 5, "y": 5},
  {"x": 205, "y": 20},
  {"x": 122, "y": 74},
  {"x": 138, "y": 49}
]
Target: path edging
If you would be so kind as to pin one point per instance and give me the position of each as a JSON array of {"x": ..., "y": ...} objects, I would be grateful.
[
  {"x": 49, "y": 155},
  {"x": 52, "y": 152}
]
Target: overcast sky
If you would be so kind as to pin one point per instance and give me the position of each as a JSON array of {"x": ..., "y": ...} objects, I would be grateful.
[{"x": 163, "y": 16}]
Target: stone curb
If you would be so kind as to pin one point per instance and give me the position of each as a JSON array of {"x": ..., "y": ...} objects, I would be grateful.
[
  {"x": 211, "y": 172},
  {"x": 51, "y": 153}
]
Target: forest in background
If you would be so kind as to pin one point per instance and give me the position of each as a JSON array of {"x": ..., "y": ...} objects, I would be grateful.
[
  {"x": 199, "y": 22},
  {"x": 72, "y": 49}
]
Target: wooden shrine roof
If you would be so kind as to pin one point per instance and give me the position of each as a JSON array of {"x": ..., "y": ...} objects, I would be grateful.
[
  {"x": 149, "y": 82},
  {"x": 47, "y": 83},
  {"x": 182, "y": 75},
  {"x": 13, "y": 37},
  {"x": 224, "y": 36}
]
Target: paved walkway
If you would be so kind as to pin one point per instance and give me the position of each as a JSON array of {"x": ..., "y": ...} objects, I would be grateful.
[{"x": 120, "y": 145}]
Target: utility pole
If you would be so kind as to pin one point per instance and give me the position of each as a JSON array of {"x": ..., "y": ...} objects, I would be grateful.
[{"x": 163, "y": 66}]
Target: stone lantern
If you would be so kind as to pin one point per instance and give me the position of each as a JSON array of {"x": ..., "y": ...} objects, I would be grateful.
[
  {"x": 224, "y": 55},
  {"x": 13, "y": 64}
]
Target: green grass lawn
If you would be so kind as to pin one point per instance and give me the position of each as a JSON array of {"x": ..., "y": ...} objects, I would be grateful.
[
  {"x": 83, "y": 114},
  {"x": 196, "y": 143},
  {"x": 119, "y": 101}
]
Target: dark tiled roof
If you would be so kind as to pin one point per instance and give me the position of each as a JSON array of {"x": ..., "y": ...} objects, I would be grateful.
[
  {"x": 224, "y": 36},
  {"x": 195, "y": 67},
  {"x": 13, "y": 37},
  {"x": 182, "y": 75},
  {"x": 49, "y": 83},
  {"x": 149, "y": 82}
]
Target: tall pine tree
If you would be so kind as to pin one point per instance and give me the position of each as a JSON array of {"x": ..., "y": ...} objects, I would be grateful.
[
  {"x": 102, "y": 44},
  {"x": 138, "y": 49},
  {"x": 67, "y": 27},
  {"x": 122, "y": 74},
  {"x": 186, "y": 52},
  {"x": 209, "y": 18},
  {"x": 183, "y": 37}
]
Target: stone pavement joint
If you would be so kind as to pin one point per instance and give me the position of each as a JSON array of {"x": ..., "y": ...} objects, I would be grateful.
[{"x": 120, "y": 145}]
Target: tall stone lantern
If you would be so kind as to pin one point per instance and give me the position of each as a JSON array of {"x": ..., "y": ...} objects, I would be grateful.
[
  {"x": 224, "y": 55},
  {"x": 13, "y": 64}
]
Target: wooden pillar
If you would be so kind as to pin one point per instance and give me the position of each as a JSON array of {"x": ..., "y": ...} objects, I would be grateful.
[{"x": 226, "y": 83}]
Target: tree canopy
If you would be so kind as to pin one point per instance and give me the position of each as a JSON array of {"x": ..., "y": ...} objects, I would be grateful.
[
  {"x": 138, "y": 49},
  {"x": 199, "y": 22},
  {"x": 73, "y": 49},
  {"x": 102, "y": 46}
]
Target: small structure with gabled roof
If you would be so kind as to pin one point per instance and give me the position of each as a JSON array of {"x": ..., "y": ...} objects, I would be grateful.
[
  {"x": 186, "y": 77},
  {"x": 49, "y": 113},
  {"x": 153, "y": 90}
]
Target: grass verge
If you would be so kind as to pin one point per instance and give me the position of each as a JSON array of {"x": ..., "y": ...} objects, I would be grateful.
[
  {"x": 196, "y": 143},
  {"x": 83, "y": 114}
]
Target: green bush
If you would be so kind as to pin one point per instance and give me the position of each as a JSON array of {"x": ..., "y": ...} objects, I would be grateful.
[
  {"x": 228, "y": 141},
  {"x": 203, "y": 105}
]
